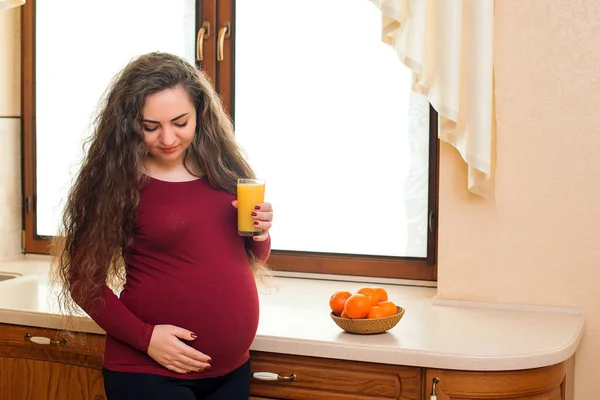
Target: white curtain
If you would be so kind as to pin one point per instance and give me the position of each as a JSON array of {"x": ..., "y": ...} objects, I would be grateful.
[
  {"x": 448, "y": 44},
  {"x": 6, "y": 4}
]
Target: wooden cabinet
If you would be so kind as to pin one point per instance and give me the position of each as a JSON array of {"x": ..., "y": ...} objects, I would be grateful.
[
  {"x": 318, "y": 378},
  {"x": 72, "y": 369},
  {"x": 23, "y": 379},
  {"x": 259, "y": 398},
  {"x": 546, "y": 383},
  {"x": 57, "y": 371}
]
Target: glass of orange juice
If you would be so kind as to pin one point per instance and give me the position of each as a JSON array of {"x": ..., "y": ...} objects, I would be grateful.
[{"x": 250, "y": 192}]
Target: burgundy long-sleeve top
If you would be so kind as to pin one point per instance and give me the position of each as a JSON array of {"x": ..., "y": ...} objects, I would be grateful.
[{"x": 187, "y": 267}]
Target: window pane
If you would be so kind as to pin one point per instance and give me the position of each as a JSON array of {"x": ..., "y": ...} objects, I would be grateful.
[
  {"x": 80, "y": 46},
  {"x": 325, "y": 114}
]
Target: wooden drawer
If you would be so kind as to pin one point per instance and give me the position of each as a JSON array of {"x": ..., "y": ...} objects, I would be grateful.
[
  {"x": 319, "y": 378},
  {"x": 80, "y": 349},
  {"x": 545, "y": 383}
]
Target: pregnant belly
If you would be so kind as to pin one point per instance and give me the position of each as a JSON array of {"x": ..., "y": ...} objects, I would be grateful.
[{"x": 223, "y": 313}]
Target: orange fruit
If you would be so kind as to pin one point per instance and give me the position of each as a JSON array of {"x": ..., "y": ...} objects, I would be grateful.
[
  {"x": 376, "y": 312},
  {"x": 344, "y": 315},
  {"x": 357, "y": 306},
  {"x": 370, "y": 293},
  {"x": 388, "y": 307},
  {"x": 383, "y": 296},
  {"x": 338, "y": 300}
]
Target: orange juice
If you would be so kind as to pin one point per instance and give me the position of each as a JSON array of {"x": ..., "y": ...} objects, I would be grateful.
[{"x": 250, "y": 192}]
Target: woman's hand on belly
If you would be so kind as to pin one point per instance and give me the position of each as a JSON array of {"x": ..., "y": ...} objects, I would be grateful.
[{"x": 167, "y": 350}]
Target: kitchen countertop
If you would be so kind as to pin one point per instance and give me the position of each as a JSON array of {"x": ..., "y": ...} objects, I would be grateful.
[{"x": 295, "y": 320}]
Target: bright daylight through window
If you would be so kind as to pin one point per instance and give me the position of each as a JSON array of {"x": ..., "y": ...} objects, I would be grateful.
[{"x": 323, "y": 110}]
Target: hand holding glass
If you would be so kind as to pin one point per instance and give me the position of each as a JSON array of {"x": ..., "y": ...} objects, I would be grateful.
[{"x": 250, "y": 192}]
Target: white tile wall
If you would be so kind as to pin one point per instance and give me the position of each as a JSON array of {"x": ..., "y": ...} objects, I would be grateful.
[
  {"x": 10, "y": 188},
  {"x": 10, "y": 134}
]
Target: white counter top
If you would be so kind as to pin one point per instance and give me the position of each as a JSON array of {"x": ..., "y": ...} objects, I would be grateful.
[{"x": 295, "y": 320}]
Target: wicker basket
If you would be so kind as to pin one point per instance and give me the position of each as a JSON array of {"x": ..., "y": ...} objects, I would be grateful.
[{"x": 368, "y": 326}]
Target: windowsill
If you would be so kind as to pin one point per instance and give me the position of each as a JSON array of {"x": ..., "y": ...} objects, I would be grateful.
[
  {"x": 295, "y": 319},
  {"x": 35, "y": 263},
  {"x": 357, "y": 279}
]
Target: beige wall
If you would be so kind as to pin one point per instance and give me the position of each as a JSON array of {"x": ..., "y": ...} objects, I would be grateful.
[
  {"x": 10, "y": 62},
  {"x": 540, "y": 242},
  {"x": 10, "y": 150}
]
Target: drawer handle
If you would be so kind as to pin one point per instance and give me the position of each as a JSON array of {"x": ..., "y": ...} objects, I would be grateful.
[
  {"x": 271, "y": 376},
  {"x": 434, "y": 389},
  {"x": 43, "y": 340}
]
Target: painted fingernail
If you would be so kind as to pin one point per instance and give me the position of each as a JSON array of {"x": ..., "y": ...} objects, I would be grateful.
[
  {"x": 255, "y": 222},
  {"x": 257, "y": 208},
  {"x": 193, "y": 335},
  {"x": 209, "y": 360},
  {"x": 253, "y": 214}
]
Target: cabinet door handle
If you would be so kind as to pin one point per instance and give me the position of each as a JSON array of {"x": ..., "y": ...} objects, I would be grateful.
[
  {"x": 433, "y": 395},
  {"x": 271, "y": 376},
  {"x": 43, "y": 340}
]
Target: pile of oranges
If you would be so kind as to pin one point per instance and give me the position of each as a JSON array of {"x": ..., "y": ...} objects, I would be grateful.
[{"x": 367, "y": 302}]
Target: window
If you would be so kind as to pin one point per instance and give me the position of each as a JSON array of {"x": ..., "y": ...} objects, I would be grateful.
[{"x": 322, "y": 108}]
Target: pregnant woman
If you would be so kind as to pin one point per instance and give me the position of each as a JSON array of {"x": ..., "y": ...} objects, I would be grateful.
[{"x": 154, "y": 208}]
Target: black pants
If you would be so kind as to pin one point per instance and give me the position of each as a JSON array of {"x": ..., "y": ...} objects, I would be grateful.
[{"x": 133, "y": 386}]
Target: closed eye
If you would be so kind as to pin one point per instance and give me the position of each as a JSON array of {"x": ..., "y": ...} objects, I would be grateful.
[{"x": 147, "y": 129}]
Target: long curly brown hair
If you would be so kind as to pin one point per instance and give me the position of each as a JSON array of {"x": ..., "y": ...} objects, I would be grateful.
[{"x": 98, "y": 219}]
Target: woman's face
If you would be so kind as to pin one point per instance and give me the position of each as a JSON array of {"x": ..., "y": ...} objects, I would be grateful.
[{"x": 168, "y": 123}]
